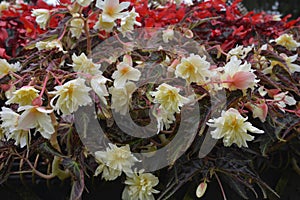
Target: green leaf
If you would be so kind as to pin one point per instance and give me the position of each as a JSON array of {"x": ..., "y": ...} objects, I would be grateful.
[
  {"x": 282, "y": 183},
  {"x": 78, "y": 178},
  {"x": 48, "y": 150}
]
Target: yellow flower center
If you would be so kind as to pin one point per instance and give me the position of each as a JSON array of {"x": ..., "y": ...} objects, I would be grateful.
[
  {"x": 124, "y": 71},
  {"x": 189, "y": 67},
  {"x": 171, "y": 95},
  {"x": 110, "y": 11}
]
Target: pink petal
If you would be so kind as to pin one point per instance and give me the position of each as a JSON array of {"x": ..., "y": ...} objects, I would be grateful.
[{"x": 242, "y": 80}]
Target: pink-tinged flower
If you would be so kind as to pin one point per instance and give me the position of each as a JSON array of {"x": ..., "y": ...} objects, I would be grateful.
[
  {"x": 200, "y": 191},
  {"x": 111, "y": 9},
  {"x": 259, "y": 109},
  {"x": 233, "y": 128},
  {"x": 125, "y": 72},
  {"x": 38, "y": 118},
  {"x": 237, "y": 76}
]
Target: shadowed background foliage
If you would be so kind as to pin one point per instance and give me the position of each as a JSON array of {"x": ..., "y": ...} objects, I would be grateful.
[{"x": 283, "y": 7}]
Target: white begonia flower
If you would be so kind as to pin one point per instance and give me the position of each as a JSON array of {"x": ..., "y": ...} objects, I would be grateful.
[
  {"x": 283, "y": 99},
  {"x": 77, "y": 25},
  {"x": 99, "y": 87},
  {"x": 289, "y": 62},
  {"x": 169, "y": 98},
  {"x": 177, "y": 1},
  {"x": 23, "y": 96},
  {"x": 38, "y": 118},
  {"x": 70, "y": 96},
  {"x": 10, "y": 91},
  {"x": 164, "y": 119},
  {"x": 237, "y": 76},
  {"x": 4, "y": 5},
  {"x": 41, "y": 45},
  {"x": 128, "y": 21},
  {"x": 167, "y": 35},
  {"x": 287, "y": 41},
  {"x": 101, "y": 25},
  {"x": 84, "y": 3},
  {"x": 10, "y": 128},
  {"x": 111, "y": 9},
  {"x": 121, "y": 97},
  {"x": 276, "y": 17},
  {"x": 232, "y": 127},
  {"x": 193, "y": 69},
  {"x": 239, "y": 51},
  {"x": 188, "y": 2},
  {"x": 125, "y": 72},
  {"x": 5, "y": 67},
  {"x": 85, "y": 65},
  {"x": 52, "y": 2},
  {"x": 108, "y": 173},
  {"x": 261, "y": 90},
  {"x": 114, "y": 161},
  {"x": 42, "y": 17},
  {"x": 140, "y": 186}
]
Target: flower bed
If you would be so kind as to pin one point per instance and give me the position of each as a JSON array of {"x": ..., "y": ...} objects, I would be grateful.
[{"x": 159, "y": 99}]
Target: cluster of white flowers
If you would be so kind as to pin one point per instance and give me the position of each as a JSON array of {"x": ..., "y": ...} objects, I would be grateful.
[
  {"x": 49, "y": 45},
  {"x": 17, "y": 127},
  {"x": 66, "y": 100},
  {"x": 111, "y": 11},
  {"x": 42, "y": 17},
  {"x": 4, "y": 5},
  {"x": 287, "y": 41},
  {"x": 6, "y": 68},
  {"x": 77, "y": 26},
  {"x": 239, "y": 51},
  {"x": 116, "y": 160}
]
